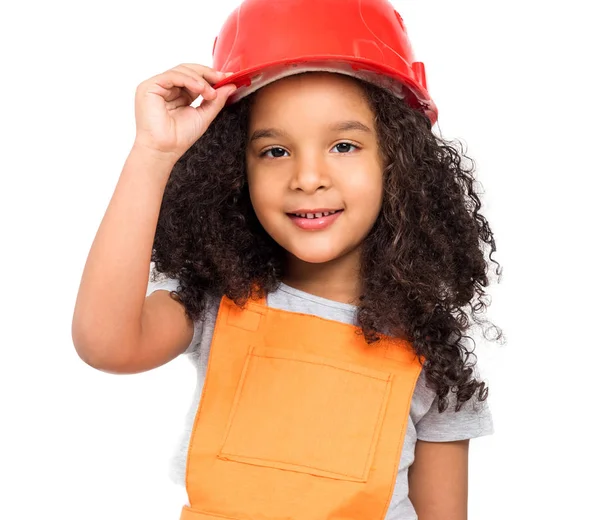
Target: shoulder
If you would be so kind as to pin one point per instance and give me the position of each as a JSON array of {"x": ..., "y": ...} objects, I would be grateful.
[{"x": 474, "y": 419}]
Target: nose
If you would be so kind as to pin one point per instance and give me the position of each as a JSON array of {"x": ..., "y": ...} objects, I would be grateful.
[{"x": 310, "y": 175}]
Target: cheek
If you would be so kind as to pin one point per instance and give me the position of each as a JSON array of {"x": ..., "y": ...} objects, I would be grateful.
[
  {"x": 367, "y": 191},
  {"x": 254, "y": 187},
  {"x": 261, "y": 196}
]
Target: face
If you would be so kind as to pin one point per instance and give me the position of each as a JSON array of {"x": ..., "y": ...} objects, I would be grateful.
[{"x": 313, "y": 164}]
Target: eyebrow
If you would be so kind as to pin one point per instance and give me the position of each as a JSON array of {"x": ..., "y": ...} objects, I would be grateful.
[{"x": 340, "y": 126}]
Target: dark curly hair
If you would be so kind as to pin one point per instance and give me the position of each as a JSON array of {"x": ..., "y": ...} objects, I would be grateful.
[{"x": 423, "y": 263}]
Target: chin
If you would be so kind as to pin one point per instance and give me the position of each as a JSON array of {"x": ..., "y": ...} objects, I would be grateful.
[
  {"x": 313, "y": 254},
  {"x": 315, "y": 258}
]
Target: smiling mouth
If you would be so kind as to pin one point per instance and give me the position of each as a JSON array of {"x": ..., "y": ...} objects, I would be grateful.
[
  {"x": 314, "y": 220},
  {"x": 315, "y": 213}
]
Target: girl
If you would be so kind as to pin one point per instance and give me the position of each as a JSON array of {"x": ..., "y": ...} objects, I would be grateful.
[{"x": 317, "y": 246}]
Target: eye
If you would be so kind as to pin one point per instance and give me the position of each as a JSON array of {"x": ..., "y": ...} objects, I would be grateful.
[
  {"x": 276, "y": 152},
  {"x": 343, "y": 147}
]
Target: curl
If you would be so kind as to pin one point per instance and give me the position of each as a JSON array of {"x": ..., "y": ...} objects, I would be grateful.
[{"x": 424, "y": 268}]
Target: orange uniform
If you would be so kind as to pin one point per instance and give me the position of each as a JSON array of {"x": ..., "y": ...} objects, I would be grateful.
[{"x": 299, "y": 418}]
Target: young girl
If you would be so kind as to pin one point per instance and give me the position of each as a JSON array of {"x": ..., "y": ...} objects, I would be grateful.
[{"x": 317, "y": 247}]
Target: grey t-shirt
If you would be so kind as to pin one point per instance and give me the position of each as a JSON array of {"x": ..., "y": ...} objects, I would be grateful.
[{"x": 424, "y": 422}]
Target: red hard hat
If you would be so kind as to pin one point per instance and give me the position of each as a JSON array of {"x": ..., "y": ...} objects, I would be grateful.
[{"x": 265, "y": 40}]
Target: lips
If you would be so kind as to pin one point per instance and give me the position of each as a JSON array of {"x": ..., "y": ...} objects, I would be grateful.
[{"x": 314, "y": 220}]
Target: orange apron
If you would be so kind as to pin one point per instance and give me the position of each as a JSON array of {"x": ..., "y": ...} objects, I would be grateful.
[{"x": 299, "y": 419}]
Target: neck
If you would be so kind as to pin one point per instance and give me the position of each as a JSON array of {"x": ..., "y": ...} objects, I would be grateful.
[{"x": 337, "y": 280}]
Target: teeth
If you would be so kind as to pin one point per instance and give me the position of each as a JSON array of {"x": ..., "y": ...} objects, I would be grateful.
[{"x": 315, "y": 215}]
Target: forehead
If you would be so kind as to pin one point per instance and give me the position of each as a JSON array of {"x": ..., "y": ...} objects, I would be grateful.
[{"x": 319, "y": 95}]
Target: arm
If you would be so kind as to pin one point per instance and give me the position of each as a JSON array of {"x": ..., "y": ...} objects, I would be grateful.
[
  {"x": 438, "y": 480},
  {"x": 115, "y": 327}
]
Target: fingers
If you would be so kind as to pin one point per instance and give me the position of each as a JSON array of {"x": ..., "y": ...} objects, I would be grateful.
[
  {"x": 202, "y": 80},
  {"x": 185, "y": 83},
  {"x": 163, "y": 103},
  {"x": 183, "y": 98},
  {"x": 209, "y": 108},
  {"x": 204, "y": 75},
  {"x": 172, "y": 79},
  {"x": 211, "y": 75}
]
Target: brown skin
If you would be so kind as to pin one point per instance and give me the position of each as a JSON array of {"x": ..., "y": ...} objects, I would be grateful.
[
  {"x": 304, "y": 163},
  {"x": 438, "y": 480},
  {"x": 115, "y": 328},
  {"x": 422, "y": 265},
  {"x": 417, "y": 211},
  {"x": 300, "y": 165}
]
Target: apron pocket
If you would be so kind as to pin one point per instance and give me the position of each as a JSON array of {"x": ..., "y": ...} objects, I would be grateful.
[{"x": 300, "y": 412}]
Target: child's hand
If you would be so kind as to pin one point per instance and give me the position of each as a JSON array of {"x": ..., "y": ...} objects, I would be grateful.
[{"x": 165, "y": 122}]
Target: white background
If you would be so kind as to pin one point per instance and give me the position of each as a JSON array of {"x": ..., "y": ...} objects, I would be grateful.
[{"x": 513, "y": 80}]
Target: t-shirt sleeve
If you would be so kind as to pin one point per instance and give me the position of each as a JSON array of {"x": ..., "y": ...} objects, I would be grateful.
[
  {"x": 474, "y": 419},
  {"x": 171, "y": 284}
]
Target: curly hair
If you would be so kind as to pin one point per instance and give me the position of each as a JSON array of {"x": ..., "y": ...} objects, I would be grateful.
[{"x": 423, "y": 263}]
